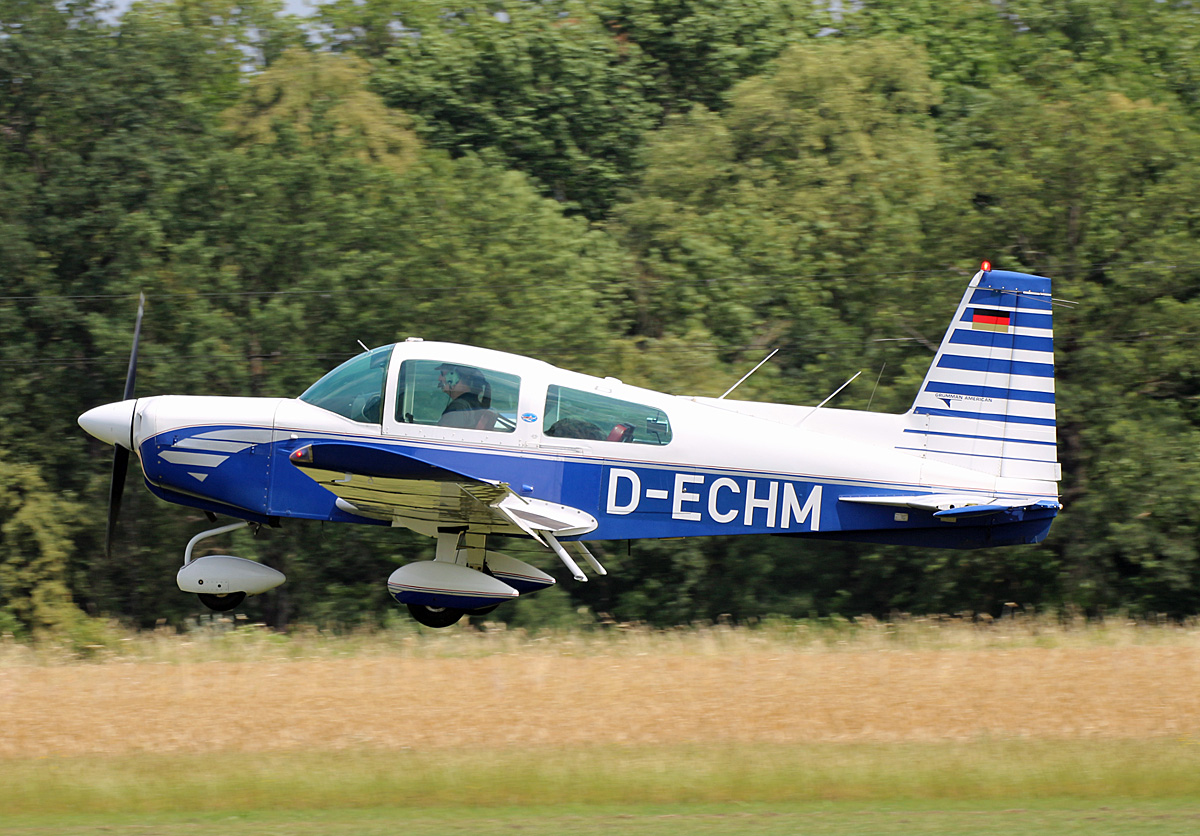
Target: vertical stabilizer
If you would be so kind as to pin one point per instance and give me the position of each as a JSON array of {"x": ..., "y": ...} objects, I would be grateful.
[{"x": 987, "y": 402}]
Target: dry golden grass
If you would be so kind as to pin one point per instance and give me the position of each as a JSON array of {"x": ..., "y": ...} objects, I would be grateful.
[{"x": 249, "y": 691}]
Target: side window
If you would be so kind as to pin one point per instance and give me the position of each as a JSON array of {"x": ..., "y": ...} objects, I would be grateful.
[
  {"x": 573, "y": 413},
  {"x": 456, "y": 395}
]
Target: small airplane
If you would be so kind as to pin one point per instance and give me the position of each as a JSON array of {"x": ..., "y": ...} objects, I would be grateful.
[{"x": 459, "y": 443}]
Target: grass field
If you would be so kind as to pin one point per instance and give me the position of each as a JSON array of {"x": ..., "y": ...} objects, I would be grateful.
[
  {"x": 1065, "y": 818},
  {"x": 912, "y": 727}
]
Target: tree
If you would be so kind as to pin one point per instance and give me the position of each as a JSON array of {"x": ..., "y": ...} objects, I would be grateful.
[
  {"x": 35, "y": 548},
  {"x": 700, "y": 49},
  {"x": 778, "y": 221},
  {"x": 322, "y": 98},
  {"x": 543, "y": 88}
]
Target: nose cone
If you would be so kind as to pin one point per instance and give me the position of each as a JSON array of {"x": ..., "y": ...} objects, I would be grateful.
[{"x": 111, "y": 423}]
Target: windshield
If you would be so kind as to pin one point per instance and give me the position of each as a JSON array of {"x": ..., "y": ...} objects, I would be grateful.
[{"x": 355, "y": 388}]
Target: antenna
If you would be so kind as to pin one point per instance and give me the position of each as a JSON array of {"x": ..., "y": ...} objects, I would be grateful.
[
  {"x": 747, "y": 374},
  {"x": 827, "y": 400},
  {"x": 360, "y": 343},
  {"x": 878, "y": 377}
]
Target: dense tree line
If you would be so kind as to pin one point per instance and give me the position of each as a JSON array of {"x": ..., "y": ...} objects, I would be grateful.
[{"x": 660, "y": 190}]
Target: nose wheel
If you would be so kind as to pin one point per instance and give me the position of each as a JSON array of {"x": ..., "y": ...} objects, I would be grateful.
[{"x": 221, "y": 603}]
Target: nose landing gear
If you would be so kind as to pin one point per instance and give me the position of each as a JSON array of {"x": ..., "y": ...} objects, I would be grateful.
[
  {"x": 223, "y": 581},
  {"x": 221, "y": 603}
]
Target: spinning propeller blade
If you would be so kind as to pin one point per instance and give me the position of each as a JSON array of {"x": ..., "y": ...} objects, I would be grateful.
[{"x": 120, "y": 453}]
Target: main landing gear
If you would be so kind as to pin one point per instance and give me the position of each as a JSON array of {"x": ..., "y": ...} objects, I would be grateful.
[
  {"x": 435, "y": 616},
  {"x": 443, "y": 616},
  {"x": 467, "y": 578}
]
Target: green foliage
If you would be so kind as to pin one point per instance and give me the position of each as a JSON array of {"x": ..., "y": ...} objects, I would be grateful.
[
  {"x": 564, "y": 91},
  {"x": 35, "y": 548},
  {"x": 543, "y": 88},
  {"x": 768, "y": 224},
  {"x": 322, "y": 98},
  {"x": 660, "y": 190},
  {"x": 701, "y": 48}
]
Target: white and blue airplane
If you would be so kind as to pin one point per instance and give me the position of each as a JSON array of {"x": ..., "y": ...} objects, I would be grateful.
[{"x": 459, "y": 443}]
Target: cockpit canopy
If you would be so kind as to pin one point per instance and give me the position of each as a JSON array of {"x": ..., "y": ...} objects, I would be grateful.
[
  {"x": 431, "y": 392},
  {"x": 453, "y": 393},
  {"x": 354, "y": 389}
]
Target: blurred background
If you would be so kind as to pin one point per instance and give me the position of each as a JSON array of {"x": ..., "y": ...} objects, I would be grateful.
[{"x": 658, "y": 190}]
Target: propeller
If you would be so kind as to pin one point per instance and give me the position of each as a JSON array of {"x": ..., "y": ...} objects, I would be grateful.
[{"x": 120, "y": 452}]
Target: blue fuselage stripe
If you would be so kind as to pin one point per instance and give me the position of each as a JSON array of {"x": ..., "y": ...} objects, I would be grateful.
[
  {"x": 983, "y": 437},
  {"x": 630, "y": 500},
  {"x": 986, "y": 416},
  {"x": 975, "y": 455}
]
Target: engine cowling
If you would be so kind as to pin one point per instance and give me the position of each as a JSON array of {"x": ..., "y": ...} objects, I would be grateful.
[{"x": 222, "y": 574}]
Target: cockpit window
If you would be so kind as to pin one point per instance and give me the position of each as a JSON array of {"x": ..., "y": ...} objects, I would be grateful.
[
  {"x": 573, "y": 413},
  {"x": 354, "y": 389},
  {"x": 458, "y": 395}
]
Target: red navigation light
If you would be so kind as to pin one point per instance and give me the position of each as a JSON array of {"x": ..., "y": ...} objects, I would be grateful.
[{"x": 986, "y": 266}]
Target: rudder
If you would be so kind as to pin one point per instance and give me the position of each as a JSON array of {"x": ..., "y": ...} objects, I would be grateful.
[{"x": 987, "y": 401}]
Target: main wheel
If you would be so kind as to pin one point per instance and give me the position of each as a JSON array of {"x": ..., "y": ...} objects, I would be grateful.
[
  {"x": 435, "y": 616},
  {"x": 221, "y": 603}
]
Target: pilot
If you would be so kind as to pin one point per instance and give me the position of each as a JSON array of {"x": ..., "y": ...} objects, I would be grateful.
[{"x": 468, "y": 392}]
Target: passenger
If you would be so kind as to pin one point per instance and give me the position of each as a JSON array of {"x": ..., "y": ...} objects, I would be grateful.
[{"x": 575, "y": 428}]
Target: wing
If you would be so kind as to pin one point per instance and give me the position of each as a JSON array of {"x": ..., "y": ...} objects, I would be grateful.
[{"x": 405, "y": 489}]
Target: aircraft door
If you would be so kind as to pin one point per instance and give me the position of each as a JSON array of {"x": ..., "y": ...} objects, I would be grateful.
[{"x": 453, "y": 401}]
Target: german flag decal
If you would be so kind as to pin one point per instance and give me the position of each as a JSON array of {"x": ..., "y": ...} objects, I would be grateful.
[{"x": 985, "y": 320}]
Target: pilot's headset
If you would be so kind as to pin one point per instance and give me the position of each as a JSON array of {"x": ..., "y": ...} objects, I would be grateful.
[
  {"x": 450, "y": 374},
  {"x": 479, "y": 385}
]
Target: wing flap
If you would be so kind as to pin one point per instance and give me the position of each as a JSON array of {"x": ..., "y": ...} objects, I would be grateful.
[{"x": 386, "y": 483}]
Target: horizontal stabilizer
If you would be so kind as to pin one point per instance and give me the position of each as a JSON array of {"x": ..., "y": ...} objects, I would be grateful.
[
  {"x": 955, "y": 505},
  {"x": 972, "y": 511}
]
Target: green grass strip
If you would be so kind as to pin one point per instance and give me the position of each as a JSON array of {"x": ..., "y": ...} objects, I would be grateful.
[
  {"x": 1061, "y": 817},
  {"x": 695, "y": 774}
]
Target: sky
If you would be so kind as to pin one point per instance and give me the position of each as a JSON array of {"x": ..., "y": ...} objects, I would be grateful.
[{"x": 296, "y": 7}]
